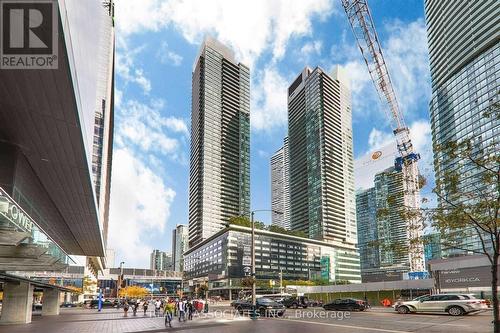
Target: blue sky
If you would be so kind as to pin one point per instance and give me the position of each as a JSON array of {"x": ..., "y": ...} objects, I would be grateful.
[{"x": 157, "y": 42}]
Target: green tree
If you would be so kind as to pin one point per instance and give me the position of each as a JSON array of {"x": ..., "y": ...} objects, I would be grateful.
[
  {"x": 202, "y": 291},
  {"x": 468, "y": 191}
]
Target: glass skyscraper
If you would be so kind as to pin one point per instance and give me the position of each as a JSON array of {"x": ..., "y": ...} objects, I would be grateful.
[
  {"x": 280, "y": 186},
  {"x": 322, "y": 198},
  {"x": 464, "y": 52},
  {"x": 219, "y": 183},
  {"x": 366, "y": 213}
]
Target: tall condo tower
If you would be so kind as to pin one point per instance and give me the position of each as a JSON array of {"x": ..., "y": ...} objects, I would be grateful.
[
  {"x": 219, "y": 180},
  {"x": 322, "y": 197},
  {"x": 464, "y": 52},
  {"x": 280, "y": 187}
]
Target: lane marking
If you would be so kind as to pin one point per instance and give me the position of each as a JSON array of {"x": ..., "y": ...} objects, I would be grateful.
[{"x": 345, "y": 326}]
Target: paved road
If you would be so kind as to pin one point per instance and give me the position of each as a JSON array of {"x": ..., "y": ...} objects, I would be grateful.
[{"x": 220, "y": 320}]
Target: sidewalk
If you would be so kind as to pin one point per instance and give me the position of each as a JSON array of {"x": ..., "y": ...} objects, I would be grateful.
[{"x": 107, "y": 321}]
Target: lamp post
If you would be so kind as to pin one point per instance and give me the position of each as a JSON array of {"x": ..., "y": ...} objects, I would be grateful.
[
  {"x": 120, "y": 280},
  {"x": 254, "y": 298}
]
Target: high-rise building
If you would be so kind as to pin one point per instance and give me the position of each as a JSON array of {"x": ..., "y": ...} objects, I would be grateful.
[
  {"x": 280, "y": 187},
  {"x": 180, "y": 242},
  {"x": 322, "y": 198},
  {"x": 160, "y": 260},
  {"x": 366, "y": 213},
  {"x": 383, "y": 236},
  {"x": 56, "y": 135},
  {"x": 464, "y": 51},
  {"x": 391, "y": 226},
  {"x": 219, "y": 180}
]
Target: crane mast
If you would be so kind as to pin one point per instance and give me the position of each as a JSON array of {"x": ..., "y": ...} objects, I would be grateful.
[{"x": 360, "y": 19}]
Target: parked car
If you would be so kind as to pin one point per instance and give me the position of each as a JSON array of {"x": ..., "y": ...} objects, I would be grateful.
[
  {"x": 264, "y": 306},
  {"x": 105, "y": 304},
  {"x": 68, "y": 305},
  {"x": 296, "y": 302},
  {"x": 346, "y": 304},
  {"x": 453, "y": 304},
  {"x": 315, "y": 303}
]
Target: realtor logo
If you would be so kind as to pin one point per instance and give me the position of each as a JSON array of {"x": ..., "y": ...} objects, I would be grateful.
[{"x": 28, "y": 34}]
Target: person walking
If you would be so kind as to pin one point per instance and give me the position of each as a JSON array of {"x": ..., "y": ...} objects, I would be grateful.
[
  {"x": 169, "y": 311},
  {"x": 182, "y": 310},
  {"x": 135, "y": 305},
  {"x": 145, "y": 306},
  {"x": 157, "y": 308},
  {"x": 125, "y": 309},
  {"x": 190, "y": 309}
]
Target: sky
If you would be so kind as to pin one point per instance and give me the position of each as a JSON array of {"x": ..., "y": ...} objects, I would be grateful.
[{"x": 156, "y": 44}]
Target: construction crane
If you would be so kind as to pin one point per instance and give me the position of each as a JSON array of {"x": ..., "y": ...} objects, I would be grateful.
[{"x": 364, "y": 31}]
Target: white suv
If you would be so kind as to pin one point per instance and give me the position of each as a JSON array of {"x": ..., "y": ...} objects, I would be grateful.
[{"x": 453, "y": 304}]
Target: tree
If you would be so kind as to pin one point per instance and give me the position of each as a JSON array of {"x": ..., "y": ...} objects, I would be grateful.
[
  {"x": 89, "y": 285},
  {"x": 470, "y": 204},
  {"x": 133, "y": 292},
  {"x": 468, "y": 191},
  {"x": 202, "y": 290}
]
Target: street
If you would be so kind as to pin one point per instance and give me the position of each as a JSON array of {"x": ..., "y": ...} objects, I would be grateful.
[{"x": 221, "y": 319}]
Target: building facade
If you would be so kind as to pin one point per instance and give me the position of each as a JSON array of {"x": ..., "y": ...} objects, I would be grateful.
[
  {"x": 464, "y": 53},
  {"x": 322, "y": 197},
  {"x": 56, "y": 135},
  {"x": 280, "y": 187},
  {"x": 224, "y": 259},
  {"x": 160, "y": 261},
  {"x": 219, "y": 180},
  {"x": 180, "y": 242},
  {"x": 366, "y": 213},
  {"x": 383, "y": 238}
]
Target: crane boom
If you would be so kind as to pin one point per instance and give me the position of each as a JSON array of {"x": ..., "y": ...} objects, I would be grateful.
[{"x": 360, "y": 19}]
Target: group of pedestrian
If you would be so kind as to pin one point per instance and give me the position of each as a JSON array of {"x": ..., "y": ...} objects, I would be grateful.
[
  {"x": 183, "y": 308},
  {"x": 134, "y": 306}
]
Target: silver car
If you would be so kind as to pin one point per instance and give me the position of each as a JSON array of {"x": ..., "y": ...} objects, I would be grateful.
[{"x": 453, "y": 304}]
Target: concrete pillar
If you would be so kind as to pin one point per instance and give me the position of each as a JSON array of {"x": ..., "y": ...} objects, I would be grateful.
[
  {"x": 17, "y": 303},
  {"x": 51, "y": 302}
]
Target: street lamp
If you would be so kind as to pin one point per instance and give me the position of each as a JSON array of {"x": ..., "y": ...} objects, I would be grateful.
[
  {"x": 254, "y": 298},
  {"x": 120, "y": 280}
]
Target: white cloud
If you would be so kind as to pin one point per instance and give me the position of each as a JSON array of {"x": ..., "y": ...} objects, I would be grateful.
[
  {"x": 249, "y": 27},
  {"x": 126, "y": 68},
  {"x": 140, "y": 204},
  {"x": 312, "y": 48},
  {"x": 167, "y": 56},
  {"x": 143, "y": 126},
  {"x": 269, "y": 100},
  {"x": 406, "y": 54},
  {"x": 420, "y": 132},
  {"x": 378, "y": 139}
]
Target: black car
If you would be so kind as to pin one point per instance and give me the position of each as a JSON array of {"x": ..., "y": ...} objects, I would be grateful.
[
  {"x": 346, "y": 304},
  {"x": 296, "y": 302},
  {"x": 68, "y": 305},
  {"x": 264, "y": 306},
  {"x": 94, "y": 304}
]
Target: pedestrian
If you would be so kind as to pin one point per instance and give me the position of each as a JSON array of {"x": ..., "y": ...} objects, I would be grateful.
[
  {"x": 182, "y": 310},
  {"x": 169, "y": 310},
  {"x": 145, "y": 306},
  {"x": 135, "y": 305},
  {"x": 190, "y": 309},
  {"x": 157, "y": 308},
  {"x": 125, "y": 308}
]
